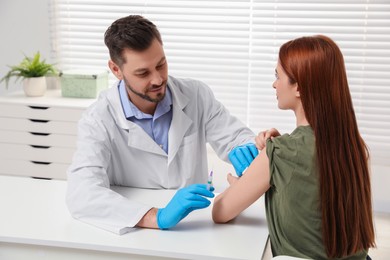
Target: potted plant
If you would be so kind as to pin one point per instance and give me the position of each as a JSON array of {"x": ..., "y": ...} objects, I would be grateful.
[{"x": 33, "y": 71}]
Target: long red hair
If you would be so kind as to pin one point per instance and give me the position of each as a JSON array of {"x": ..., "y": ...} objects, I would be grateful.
[{"x": 317, "y": 65}]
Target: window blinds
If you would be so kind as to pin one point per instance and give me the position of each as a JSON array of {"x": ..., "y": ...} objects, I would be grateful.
[{"x": 233, "y": 46}]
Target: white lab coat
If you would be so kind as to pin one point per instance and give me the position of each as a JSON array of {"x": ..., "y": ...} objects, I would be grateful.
[{"x": 114, "y": 151}]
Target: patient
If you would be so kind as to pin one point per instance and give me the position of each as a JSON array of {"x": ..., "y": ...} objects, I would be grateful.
[{"x": 316, "y": 179}]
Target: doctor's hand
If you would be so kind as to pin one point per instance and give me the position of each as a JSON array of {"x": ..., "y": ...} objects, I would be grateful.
[
  {"x": 242, "y": 156},
  {"x": 184, "y": 202}
]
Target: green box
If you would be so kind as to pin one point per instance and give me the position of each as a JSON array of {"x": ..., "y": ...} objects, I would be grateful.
[{"x": 82, "y": 83}]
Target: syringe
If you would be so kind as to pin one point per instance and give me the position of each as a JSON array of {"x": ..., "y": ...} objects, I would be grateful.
[{"x": 210, "y": 180}]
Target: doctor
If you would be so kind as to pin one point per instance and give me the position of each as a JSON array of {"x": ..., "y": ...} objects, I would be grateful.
[{"x": 149, "y": 131}]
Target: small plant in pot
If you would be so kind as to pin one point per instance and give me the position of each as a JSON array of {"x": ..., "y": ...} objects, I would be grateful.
[{"x": 33, "y": 71}]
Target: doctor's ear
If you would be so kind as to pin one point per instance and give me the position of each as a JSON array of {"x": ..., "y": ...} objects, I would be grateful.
[{"x": 115, "y": 69}]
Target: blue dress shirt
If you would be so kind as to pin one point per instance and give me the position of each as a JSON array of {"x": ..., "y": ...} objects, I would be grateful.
[{"x": 157, "y": 125}]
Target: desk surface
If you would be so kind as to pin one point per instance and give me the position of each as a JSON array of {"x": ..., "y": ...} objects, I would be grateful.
[
  {"x": 33, "y": 212},
  {"x": 50, "y": 98}
]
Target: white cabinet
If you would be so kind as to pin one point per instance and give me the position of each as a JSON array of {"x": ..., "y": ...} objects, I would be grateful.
[{"x": 38, "y": 134}]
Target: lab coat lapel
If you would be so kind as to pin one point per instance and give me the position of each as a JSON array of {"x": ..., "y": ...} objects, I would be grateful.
[
  {"x": 137, "y": 137},
  {"x": 180, "y": 121},
  {"x": 116, "y": 107}
]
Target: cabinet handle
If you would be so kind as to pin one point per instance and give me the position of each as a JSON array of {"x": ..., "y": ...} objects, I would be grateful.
[
  {"x": 39, "y": 146},
  {"x": 38, "y": 120},
  {"x": 36, "y": 133},
  {"x": 38, "y": 107},
  {"x": 38, "y": 162}
]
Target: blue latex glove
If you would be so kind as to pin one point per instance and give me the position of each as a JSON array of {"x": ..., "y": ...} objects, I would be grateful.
[
  {"x": 242, "y": 156},
  {"x": 184, "y": 202}
]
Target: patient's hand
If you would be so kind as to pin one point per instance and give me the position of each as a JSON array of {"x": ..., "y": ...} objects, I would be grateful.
[
  {"x": 231, "y": 179},
  {"x": 262, "y": 137}
]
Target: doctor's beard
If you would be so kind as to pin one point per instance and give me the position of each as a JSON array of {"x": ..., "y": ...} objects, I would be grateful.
[{"x": 159, "y": 97}]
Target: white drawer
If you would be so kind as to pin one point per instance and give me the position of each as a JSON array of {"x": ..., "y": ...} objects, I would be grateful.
[
  {"x": 40, "y": 112},
  {"x": 27, "y": 168},
  {"x": 38, "y": 126},
  {"x": 31, "y": 138},
  {"x": 40, "y": 154}
]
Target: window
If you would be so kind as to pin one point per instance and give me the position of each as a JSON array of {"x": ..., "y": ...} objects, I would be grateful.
[{"x": 233, "y": 46}]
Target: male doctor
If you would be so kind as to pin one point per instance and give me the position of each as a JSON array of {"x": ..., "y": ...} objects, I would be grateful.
[{"x": 149, "y": 131}]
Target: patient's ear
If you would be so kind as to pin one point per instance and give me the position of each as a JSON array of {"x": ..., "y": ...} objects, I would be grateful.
[
  {"x": 297, "y": 94},
  {"x": 115, "y": 69}
]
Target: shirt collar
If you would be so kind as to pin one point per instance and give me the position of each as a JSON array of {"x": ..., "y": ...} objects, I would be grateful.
[{"x": 130, "y": 110}]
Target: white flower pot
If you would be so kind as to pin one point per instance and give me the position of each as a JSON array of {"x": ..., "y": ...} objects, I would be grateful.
[{"x": 34, "y": 87}]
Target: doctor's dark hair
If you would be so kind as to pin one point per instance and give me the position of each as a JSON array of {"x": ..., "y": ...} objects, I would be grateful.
[
  {"x": 131, "y": 32},
  {"x": 316, "y": 64}
]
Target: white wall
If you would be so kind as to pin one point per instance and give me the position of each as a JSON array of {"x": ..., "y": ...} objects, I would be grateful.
[
  {"x": 24, "y": 27},
  {"x": 380, "y": 183}
]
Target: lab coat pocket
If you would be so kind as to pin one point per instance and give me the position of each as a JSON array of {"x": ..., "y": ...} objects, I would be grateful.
[
  {"x": 187, "y": 140},
  {"x": 189, "y": 159}
]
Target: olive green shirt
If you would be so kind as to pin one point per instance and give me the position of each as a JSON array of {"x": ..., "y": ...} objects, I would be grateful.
[{"x": 293, "y": 200}]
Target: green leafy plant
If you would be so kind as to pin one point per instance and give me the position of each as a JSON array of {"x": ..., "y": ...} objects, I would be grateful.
[{"x": 29, "y": 68}]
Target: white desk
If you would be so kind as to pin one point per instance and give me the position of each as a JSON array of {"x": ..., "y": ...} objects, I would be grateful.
[{"x": 35, "y": 224}]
